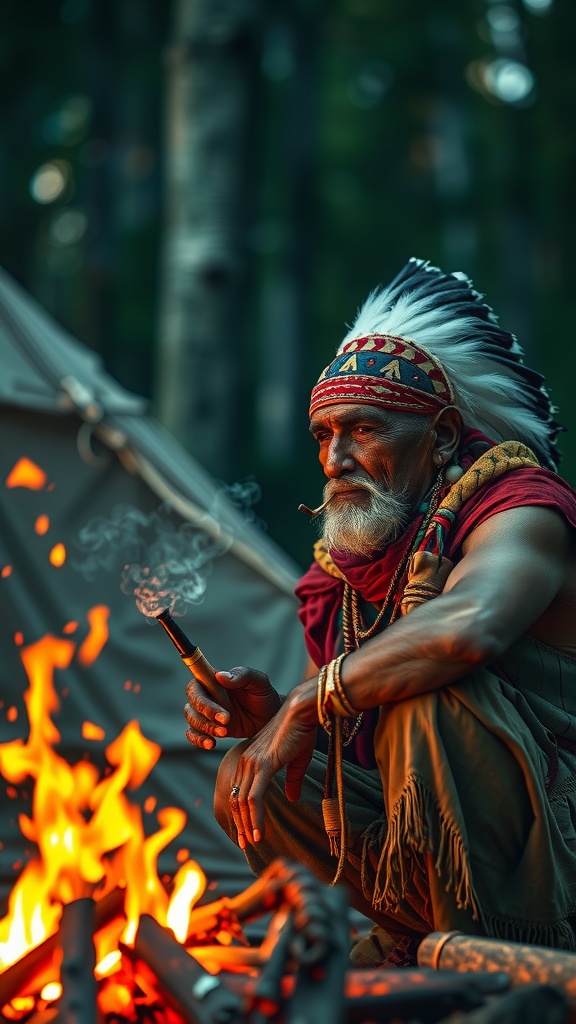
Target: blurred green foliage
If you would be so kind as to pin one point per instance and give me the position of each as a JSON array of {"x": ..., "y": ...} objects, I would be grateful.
[{"x": 382, "y": 130}]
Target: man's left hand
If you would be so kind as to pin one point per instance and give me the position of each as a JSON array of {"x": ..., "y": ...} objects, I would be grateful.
[{"x": 287, "y": 741}]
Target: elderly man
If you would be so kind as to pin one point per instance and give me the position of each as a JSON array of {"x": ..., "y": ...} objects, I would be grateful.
[{"x": 439, "y": 617}]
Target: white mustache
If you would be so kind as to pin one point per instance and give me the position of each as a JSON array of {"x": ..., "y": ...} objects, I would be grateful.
[{"x": 334, "y": 488}]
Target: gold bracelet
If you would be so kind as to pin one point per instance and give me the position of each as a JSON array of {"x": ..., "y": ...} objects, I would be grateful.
[
  {"x": 339, "y": 687},
  {"x": 337, "y": 707},
  {"x": 334, "y": 693}
]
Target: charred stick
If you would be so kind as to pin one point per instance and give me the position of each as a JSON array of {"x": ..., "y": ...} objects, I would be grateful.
[
  {"x": 454, "y": 951},
  {"x": 319, "y": 990},
  {"x": 230, "y": 911},
  {"x": 78, "y": 999},
  {"x": 197, "y": 996},
  {"x": 532, "y": 1004},
  {"x": 21, "y": 974},
  {"x": 406, "y": 993},
  {"x": 311, "y": 905},
  {"x": 281, "y": 882},
  {"x": 260, "y": 897},
  {"x": 267, "y": 994},
  {"x": 47, "y": 1016},
  {"x": 235, "y": 959}
]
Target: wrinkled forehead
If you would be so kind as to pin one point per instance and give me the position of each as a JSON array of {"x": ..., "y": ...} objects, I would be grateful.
[{"x": 343, "y": 414}]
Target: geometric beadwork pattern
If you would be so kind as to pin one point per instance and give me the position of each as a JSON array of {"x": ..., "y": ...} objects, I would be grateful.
[{"x": 383, "y": 370}]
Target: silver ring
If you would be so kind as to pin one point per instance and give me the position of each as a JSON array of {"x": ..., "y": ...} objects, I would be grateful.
[{"x": 234, "y": 791}]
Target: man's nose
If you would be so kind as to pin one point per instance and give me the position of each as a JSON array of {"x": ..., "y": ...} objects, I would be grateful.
[{"x": 339, "y": 459}]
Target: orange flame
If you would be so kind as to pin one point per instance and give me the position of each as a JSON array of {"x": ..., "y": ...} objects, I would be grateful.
[
  {"x": 26, "y": 473},
  {"x": 89, "y": 836},
  {"x": 189, "y": 885}
]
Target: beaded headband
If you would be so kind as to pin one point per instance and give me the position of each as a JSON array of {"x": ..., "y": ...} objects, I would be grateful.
[
  {"x": 381, "y": 369},
  {"x": 466, "y": 360}
]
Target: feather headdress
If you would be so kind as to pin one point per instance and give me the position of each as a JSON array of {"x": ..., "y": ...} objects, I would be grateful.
[{"x": 475, "y": 364}]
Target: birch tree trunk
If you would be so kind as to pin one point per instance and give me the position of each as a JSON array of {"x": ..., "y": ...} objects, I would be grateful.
[{"x": 210, "y": 95}]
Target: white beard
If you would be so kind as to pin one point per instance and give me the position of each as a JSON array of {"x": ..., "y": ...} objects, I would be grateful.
[{"x": 362, "y": 529}]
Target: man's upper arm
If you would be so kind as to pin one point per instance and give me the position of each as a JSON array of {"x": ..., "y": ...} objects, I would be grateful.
[{"x": 513, "y": 567}]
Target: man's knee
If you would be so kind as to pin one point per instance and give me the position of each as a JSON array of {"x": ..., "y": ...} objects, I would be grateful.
[{"x": 224, "y": 781}]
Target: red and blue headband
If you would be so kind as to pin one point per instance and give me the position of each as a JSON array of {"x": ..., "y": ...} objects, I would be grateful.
[{"x": 383, "y": 370}]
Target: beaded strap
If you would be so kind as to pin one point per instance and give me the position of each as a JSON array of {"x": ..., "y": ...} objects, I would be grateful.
[{"x": 334, "y": 710}]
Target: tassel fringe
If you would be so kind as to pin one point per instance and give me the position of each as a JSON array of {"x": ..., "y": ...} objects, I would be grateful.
[
  {"x": 559, "y": 935},
  {"x": 417, "y": 826},
  {"x": 331, "y": 815}
]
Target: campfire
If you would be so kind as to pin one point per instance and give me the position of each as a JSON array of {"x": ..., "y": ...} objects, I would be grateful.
[
  {"x": 91, "y": 897},
  {"x": 89, "y": 836},
  {"x": 90, "y": 922}
]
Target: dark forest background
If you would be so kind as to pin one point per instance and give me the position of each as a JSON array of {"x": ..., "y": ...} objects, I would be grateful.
[{"x": 205, "y": 190}]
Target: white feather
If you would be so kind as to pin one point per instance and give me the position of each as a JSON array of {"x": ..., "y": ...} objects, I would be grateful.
[{"x": 490, "y": 395}]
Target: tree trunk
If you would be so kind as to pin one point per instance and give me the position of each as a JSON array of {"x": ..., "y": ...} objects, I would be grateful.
[{"x": 211, "y": 71}]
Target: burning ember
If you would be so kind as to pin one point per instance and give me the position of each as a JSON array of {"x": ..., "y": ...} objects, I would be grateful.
[
  {"x": 89, "y": 835},
  {"x": 26, "y": 473}
]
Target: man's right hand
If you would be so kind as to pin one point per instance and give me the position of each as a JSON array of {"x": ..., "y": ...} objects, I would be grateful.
[{"x": 248, "y": 703}]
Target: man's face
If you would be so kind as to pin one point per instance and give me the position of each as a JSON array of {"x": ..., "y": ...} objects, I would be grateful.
[{"x": 379, "y": 464}]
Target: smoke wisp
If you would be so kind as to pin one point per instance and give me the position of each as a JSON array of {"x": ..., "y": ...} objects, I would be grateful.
[{"x": 162, "y": 563}]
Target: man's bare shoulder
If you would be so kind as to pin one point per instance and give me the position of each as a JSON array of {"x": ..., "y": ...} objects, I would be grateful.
[{"x": 540, "y": 537}]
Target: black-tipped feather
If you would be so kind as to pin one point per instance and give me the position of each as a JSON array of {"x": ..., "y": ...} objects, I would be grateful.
[{"x": 430, "y": 287}]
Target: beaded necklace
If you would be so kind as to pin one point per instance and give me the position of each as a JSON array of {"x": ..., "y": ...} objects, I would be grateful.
[{"x": 353, "y": 626}]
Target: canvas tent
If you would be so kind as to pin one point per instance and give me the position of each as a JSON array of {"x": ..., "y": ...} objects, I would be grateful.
[{"x": 98, "y": 450}]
